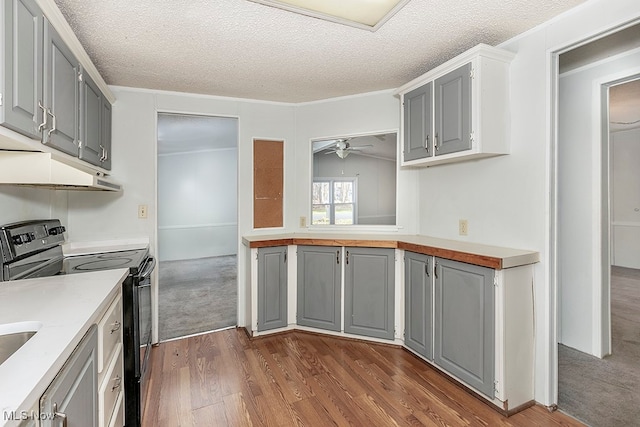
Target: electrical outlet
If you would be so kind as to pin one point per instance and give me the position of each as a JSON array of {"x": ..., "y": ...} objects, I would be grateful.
[
  {"x": 463, "y": 227},
  {"x": 142, "y": 211},
  {"x": 303, "y": 221}
]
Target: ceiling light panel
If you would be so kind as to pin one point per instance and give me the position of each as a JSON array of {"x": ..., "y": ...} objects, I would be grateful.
[{"x": 365, "y": 14}]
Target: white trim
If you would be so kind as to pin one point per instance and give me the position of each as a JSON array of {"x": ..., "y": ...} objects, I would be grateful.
[
  {"x": 625, "y": 223},
  {"x": 600, "y": 62},
  {"x": 344, "y": 97}
]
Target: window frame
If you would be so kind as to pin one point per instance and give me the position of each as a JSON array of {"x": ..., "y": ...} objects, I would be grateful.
[{"x": 332, "y": 203}]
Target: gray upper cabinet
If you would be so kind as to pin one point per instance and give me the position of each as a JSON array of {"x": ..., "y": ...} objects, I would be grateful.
[
  {"x": 73, "y": 395},
  {"x": 418, "y": 304},
  {"x": 95, "y": 123},
  {"x": 60, "y": 93},
  {"x": 105, "y": 130},
  {"x": 369, "y": 292},
  {"x": 453, "y": 111},
  {"x": 272, "y": 288},
  {"x": 418, "y": 123},
  {"x": 22, "y": 85},
  {"x": 319, "y": 287},
  {"x": 466, "y": 109},
  {"x": 464, "y": 322}
]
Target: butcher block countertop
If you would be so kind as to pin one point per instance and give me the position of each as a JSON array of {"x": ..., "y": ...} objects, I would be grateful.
[{"x": 496, "y": 257}]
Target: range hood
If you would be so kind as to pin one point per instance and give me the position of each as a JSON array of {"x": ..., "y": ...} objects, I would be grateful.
[{"x": 37, "y": 169}]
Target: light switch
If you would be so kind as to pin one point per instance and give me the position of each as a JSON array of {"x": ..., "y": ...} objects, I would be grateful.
[{"x": 142, "y": 211}]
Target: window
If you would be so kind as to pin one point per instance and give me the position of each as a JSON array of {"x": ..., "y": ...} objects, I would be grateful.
[{"x": 333, "y": 201}]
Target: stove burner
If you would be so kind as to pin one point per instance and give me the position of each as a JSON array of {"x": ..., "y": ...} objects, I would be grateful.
[{"x": 103, "y": 264}]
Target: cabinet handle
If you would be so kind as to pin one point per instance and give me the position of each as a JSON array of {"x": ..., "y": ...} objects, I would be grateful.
[
  {"x": 338, "y": 257},
  {"x": 285, "y": 256},
  {"x": 102, "y": 158},
  {"x": 435, "y": 270},
  {"x": 347, "y": 257},
  {"x": 426, "y": 269},
  {"x": 42, "y": 125},
  {"x": 61, "y": 415},
  {"x": 116, "y": 326},
  {"x": 53, "y": 127},
  {"x": 435, "y": 141},
  {"x": 426, "y": 144},
  {"x": 117, "y": 383}
]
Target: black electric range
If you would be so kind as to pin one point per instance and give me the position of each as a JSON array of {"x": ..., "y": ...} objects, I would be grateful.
[{"x": 32, "y": 249}]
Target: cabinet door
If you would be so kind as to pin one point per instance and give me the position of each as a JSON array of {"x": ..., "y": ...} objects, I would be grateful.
[
  {"x": 418, "y": 123},
  {"x": 319, "y": 287},
  {"x": 90, "y": 118},
  {"x": 60, "y": 93},
  {"x": 272, "y": 288},
  {"x": 453, "y": 111},
  {"x": 464, "y": 322},
  {"x": 74, "y": 391},
  {"x": 105, "y": 129},
  {"x": 23, "y": 29},
  {"x": 369, "y": 292},
  {"x": 418, "y": 303}
]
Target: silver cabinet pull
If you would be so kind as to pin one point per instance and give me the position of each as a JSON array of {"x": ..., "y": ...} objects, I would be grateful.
[
  {"x": 338, "y": 257},
  {"x": 53, "y": 127},
  {"x": 42, "y": 125},
  {"x": 426, "y": 143},
  {"x": 61, "y": 415},
  {"x": 435, "y": 141},
  {"x": 102, "y": 157},
  {"x": 116, "y": 326},
  {"x": 117, "y": 383},
  {"x": 435, "y": 270},
  {"x": 347, "y": 261}
]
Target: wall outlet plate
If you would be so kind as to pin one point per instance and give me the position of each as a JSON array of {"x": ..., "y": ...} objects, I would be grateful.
[
  {"x": 463, "y": 227},
  {"x": 303, "y": 221},
  {"x": 142, "y": 211}
]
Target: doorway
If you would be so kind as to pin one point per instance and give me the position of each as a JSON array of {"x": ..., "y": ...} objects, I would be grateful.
[
  {"x": 197, "y": 224},
  {"x": 598, "y": 336}
]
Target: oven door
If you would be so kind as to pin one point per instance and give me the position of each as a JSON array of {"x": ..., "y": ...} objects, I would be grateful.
[{"x": 142, "y": 305}]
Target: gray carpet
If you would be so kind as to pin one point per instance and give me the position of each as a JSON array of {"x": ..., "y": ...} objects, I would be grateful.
[
  {"x": 605, "y": 392},
  {"x": 197, "y": 295}
]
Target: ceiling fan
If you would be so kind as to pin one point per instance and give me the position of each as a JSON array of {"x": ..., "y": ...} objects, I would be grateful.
[{"x": 342, "y": 148}]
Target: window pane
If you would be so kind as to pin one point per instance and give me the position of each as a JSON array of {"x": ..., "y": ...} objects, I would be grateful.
[
  {"x": 321, "y": 214},
  {"x": 343, "y": 192},
  {"x": 344, "y": 213},
  {"x": 320, "y": 193}
]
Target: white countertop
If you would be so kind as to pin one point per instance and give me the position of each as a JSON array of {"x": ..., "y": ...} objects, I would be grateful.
[
  {"x": 66, "y": 306},
  {"x": 84, "y": 248}
]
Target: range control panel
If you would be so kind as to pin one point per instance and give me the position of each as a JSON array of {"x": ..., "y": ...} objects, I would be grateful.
[{"x": 29, "y": 237}]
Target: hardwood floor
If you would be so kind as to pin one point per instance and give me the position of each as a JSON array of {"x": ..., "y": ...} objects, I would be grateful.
[{"x": 300, "y": 379}]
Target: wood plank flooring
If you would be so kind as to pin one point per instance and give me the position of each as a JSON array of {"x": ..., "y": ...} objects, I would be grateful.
[{"x": 300, "y": 379}]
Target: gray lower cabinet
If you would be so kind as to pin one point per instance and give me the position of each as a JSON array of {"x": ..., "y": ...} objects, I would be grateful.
[
  {"x": 60, "y": 93},
  {"x": 418, "y": 334},
  {"x": 22, "y": 85},
  {"x": 452, "y": 93},
  {"x": 95, "y": 124},
  {"x": 272, "y": 288},
  {"x": 72, "y": 397},
  {"x": 369, "y": 292},
  {"x": 319, "y": 287},
  {"x": 464, "y": 322},
  {"x": 417, "y": 106}
]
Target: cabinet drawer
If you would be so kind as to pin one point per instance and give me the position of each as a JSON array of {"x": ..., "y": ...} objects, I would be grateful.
[
  {"x": 117, "y": 419},
  {"x": 110, "y": 388},
  {"x": 109, "y": 332}
]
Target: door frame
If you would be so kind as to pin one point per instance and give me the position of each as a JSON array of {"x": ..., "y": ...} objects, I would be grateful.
[{"x": 601, "y": 261}]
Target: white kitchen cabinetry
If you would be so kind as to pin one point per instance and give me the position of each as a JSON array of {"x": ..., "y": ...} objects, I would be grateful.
[
  {"x": 462, "y": 111},
  {"x": 110, "y": 371}
]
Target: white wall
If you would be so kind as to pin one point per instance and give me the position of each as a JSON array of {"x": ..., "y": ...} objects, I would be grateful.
[
  {"x": 26, "y": 203},
  {"x": 197, "y": 209},
  {"x": 625, "y": 197},
  {"x": 376, "y": 112},
  {"x": 580, "y": 218}
]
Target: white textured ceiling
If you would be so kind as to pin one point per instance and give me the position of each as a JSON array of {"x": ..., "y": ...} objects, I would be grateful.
[{"x": 243, "y": 49}]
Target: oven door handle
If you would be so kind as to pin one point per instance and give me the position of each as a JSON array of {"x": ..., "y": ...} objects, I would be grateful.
[{"x": 150, "y": 264}]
